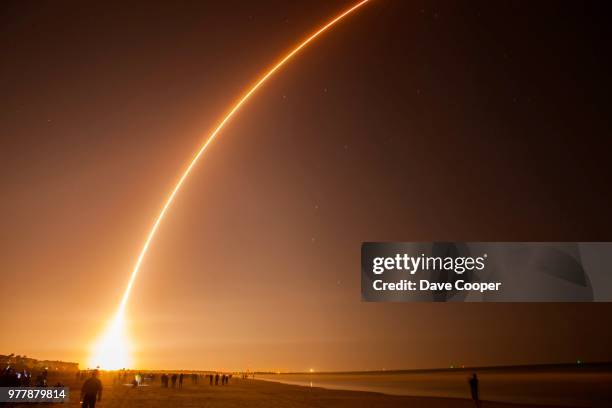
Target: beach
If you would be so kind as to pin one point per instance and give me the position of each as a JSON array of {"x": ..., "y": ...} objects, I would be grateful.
[
  {"x": 258, "y": 393},
  {"x": 584, "y": 385}
]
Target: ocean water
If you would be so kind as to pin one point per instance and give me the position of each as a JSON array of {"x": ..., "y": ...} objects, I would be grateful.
[{"x": 576, "y": 386}]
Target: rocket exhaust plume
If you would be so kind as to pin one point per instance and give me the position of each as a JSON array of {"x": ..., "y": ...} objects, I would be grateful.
[{"x": 111, "y": 351}]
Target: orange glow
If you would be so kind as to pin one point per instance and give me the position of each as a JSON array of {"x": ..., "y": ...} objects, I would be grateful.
[
  {"x": 113, "y": 335},
  {"x": 112, "y": 351}
]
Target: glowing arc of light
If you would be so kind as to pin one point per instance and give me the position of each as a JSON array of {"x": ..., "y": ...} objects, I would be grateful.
[
  {"x": 212, "y": 136},
  {"x": 110, "y": 341}
]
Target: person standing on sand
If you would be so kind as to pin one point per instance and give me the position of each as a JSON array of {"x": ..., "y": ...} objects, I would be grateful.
[
  {"x": 181, "y": 380},
  {"x": 173, "y": 380},
  {"x": 91, "y": 389},
  {"x": 474, "y": 389},
  {"x": 217, "y": 379}
]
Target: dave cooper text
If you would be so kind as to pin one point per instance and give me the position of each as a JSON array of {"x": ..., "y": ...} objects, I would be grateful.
[{"x": 435, "y": 286}]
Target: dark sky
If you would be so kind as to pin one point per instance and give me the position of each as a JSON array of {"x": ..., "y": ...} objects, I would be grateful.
[{"x": 409, "y": 121}]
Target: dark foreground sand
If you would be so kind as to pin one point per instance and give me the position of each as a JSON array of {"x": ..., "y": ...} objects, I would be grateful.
[{"x": 256, "y": 393}]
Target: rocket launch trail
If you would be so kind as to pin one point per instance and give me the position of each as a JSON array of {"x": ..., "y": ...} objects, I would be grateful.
[{"x": 111, "y": 352}]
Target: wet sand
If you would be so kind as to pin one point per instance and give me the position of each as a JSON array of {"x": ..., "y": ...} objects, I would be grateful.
[
  {"x": 571, "y": 386},
  {"x": 257, "y": 393}
]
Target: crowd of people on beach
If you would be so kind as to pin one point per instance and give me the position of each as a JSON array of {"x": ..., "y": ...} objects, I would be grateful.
[
  {"x": 91, "y": 390},
  {"x": 92, "y": 387},
  {"x": 213, "y": 379},
  {"x": 10, "y": 377},
  {"x": 167, "y": 380}
]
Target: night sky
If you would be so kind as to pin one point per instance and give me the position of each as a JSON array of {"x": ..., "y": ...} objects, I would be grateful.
[{"x": 409, "y": 121}]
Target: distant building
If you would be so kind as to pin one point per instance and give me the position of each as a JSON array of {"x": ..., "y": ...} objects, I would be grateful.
[{"x": 20, "y": 362}]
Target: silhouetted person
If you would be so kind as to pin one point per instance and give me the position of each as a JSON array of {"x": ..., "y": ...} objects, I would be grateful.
[
  {"x": 210, "y": 378},
  {"x": 92, "y": 388},
  {"x": 216, "y": 379},
  {"x": 24, "y": 379},
  {"x": 40, "y": 380},
  {"x": 173, "y": 380},
  {"x": 9, "y": 378},
  {"x": 181, "y": 380},
  {"x": 474, "y": 389}
]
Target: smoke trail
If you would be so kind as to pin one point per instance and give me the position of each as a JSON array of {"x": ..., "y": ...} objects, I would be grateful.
[{"x": 211, "y": 137}]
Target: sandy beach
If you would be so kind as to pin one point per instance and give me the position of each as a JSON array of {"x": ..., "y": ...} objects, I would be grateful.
[
  {"x": 257, "y": 393},
  {"x": 564, "y": 385}
]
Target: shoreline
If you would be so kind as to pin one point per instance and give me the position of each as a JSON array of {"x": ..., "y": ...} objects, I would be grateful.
[
  {"x": 562, "y": 388},
  {"x": 261, "y": 393},
  {"x": 449, "y": 400}
]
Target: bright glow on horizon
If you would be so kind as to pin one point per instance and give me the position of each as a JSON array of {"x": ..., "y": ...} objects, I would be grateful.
[
  {"x": 113, "y": 340},
  {"x": 112, "y": 351}
]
